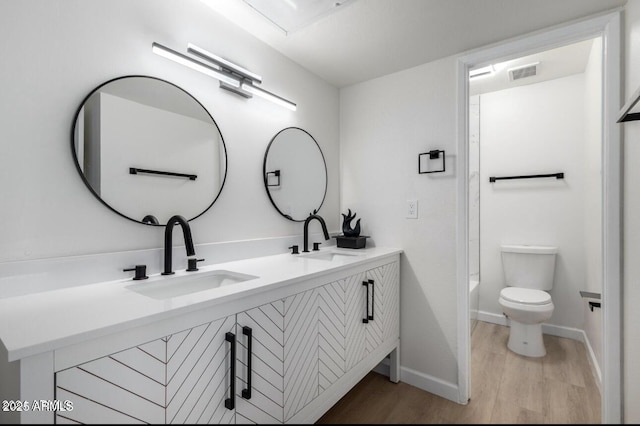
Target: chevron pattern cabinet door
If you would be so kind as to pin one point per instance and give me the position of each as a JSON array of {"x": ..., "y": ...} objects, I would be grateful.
[
  {"x": 355, "y": 308},
  {"x": 266, "y": 405},
  {"x": 125, "y": 387},
  {"x": 183, "y": 378},
  {"x": 375, "y": 328},
  {"x": 386, "y": 303},
  {"x": 198, "y": 374},
  {"x": 300, "y": 351},
  {"x": 391, "y": 300},
  {"x": 332, "y": 333}
]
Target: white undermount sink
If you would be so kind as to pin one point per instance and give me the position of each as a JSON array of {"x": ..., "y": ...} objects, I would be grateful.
[
  {"x": 330, "y": 255},
  {"x": 166, "y": 287}
]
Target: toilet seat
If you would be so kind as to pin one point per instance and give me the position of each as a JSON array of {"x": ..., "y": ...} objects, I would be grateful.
[{"x": 525, "y": 296}]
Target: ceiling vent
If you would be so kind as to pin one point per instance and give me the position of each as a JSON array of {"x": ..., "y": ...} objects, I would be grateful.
[{"x": 523, "y": 71}]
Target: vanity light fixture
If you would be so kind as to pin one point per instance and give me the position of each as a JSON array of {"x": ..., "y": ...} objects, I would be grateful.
[
  {"x": 249, "y": 87},
  {"x": 232, "y": 77},
  {"x": 163, "y": 51},
  {"x": 223, "y": 63}
]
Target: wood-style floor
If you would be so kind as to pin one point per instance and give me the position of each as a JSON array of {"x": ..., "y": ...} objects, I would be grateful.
[{"x": 505, "y": 388}]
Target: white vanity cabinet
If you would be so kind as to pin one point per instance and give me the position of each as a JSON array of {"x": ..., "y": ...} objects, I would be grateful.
[
  {"x": 268, "y": 350},
  {"x": 198, "y": 374},
  {"x": 284, "y": 355},
  {"x": 181, "y": 378},
  {"x": 186, "y": 376},
  {"x": 127, "y": 386},
  {"x": 372, "y": 311},
  {"x": 357, "y": 314}
]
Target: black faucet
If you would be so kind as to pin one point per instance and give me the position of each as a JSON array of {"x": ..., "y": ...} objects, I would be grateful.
[
  {"x": 306, "y": 229},
  {"x": 168, "y": 237}
]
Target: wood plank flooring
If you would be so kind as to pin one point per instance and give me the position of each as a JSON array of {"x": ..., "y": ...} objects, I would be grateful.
[{"x": 505, "y": 388}]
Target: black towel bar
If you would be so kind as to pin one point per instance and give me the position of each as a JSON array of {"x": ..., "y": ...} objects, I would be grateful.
[
  {"x": 135, "y": 171},
  {"x": 555, "y": 175}
]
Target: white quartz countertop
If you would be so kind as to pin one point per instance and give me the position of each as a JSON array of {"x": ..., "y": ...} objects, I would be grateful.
[{"x": 40, "y": 322}]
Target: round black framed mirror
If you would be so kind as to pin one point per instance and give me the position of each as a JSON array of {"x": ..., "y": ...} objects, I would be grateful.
[
  {"x": 295, "y": 173},
  {"x": 148, "y": 150}
]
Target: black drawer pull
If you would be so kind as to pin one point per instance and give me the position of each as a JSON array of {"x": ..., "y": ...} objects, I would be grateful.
[
  {"x": 373, "y": 303},
  {"x": 366, "y": 314},
  {"x": 230, "y": 403},
  {"x": 246, "y": 393}
]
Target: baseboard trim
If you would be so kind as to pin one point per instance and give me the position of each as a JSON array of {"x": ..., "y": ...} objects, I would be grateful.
[
  {"x": 593, "y": 362},
  {"x": 422, "y": 381},
  {"x": 429, "y": 383}
]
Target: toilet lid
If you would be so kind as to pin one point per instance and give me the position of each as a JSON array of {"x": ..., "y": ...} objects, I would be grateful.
[{"x": 525, "y": 295}]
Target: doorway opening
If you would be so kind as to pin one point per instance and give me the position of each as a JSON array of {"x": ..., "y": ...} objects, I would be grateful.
[
  {"x": 605, "y": 28},
  {"x": 535, "y": 179}
]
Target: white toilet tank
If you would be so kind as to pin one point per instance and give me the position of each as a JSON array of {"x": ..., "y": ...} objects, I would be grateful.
[{"x": 529, "y": 266}]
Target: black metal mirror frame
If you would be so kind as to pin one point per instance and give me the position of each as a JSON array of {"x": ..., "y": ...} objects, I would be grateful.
[
  {"x": 88, "y": 185},
  {"x": 265, "y": 174}
]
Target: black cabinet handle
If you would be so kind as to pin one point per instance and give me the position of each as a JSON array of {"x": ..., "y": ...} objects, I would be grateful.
[
  {"x": 230, "y": 403},
  {"x": 246, "y": 393},
  {"x": 366, "y": 314},
  {"x": 373, "y": 303}
]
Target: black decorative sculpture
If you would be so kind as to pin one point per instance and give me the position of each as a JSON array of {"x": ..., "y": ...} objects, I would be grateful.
[{"x": 346, "y": 225}]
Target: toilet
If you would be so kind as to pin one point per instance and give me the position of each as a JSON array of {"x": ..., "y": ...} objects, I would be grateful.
[{"x": 529, "y": 275}]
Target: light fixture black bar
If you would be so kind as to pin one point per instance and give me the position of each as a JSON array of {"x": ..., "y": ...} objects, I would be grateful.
[
  {"x": 135, "y": 171},
  {"x": 555, "y": 175}
]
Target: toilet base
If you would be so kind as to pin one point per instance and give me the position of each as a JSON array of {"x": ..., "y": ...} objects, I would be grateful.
[{"x": 526, "y": 339}]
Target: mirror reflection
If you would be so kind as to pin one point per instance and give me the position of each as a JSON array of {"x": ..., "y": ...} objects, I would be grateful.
[
  {"x": 295, "y": 173},
  {"x": 149, "y": 150}
]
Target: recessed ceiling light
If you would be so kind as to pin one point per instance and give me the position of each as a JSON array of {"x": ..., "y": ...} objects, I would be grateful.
[
  {"x": 292, "y": 15},
  {"x": 489, "y": 69}
]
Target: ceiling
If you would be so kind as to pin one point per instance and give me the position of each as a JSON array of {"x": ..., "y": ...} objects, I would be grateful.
[{"x": 365, "y": 39}]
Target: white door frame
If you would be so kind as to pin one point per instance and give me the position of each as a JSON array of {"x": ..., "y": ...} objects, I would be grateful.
[{"x": 608, "y": 26}]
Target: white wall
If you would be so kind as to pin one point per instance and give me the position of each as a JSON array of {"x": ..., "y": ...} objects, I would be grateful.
[
  {"x": 54, "y": 52},
  {"x": 384, "y": 124},
  {"x": 535, "y": 129},
  {"x": 631, "y": 224}
]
